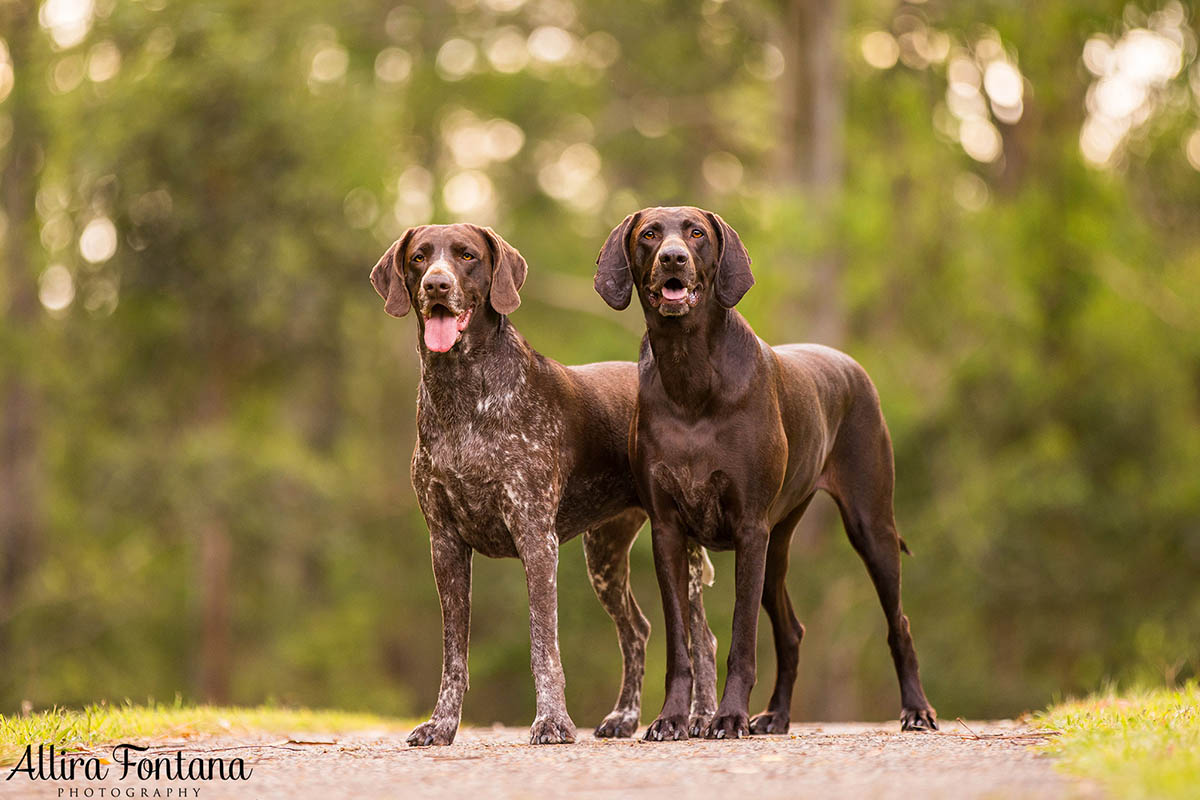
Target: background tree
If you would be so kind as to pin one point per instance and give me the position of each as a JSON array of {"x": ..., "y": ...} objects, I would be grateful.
[{"x": 990, "y": 205}]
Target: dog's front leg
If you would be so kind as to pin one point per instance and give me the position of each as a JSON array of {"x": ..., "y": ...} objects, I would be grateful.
[
  {"x": 452, "y": 571},
  {"x": 539, "y": 553},
  {"x": 732, "y": 720},
  {"x": 670, "y": 564}
]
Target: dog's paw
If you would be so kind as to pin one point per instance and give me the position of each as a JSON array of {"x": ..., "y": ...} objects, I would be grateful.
[
  {"x": 697, "y": 723},
  {"x": 728, "y": 726},
  {"x": 433, "y": 732},
  {"x": 552, "y": 730},
  {"x": 918, "y": 719},
  {"x": 618, "y": 725},
  {"x": 667, "y": 729},
  {"x": 770, "y": 722}
]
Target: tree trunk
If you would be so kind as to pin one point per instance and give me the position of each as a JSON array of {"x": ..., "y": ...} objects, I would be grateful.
[
  {"x": 19, "y": 467},
  {"x": 810, "y": 165},
  {"x": 213, "y": 576},
  {"x": 216, "y": 555},
  {"x": 811, "y": 153}
]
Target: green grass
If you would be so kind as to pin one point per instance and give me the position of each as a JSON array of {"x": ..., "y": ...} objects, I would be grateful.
[
  {"x": 102, "y": 724},
  {"x": 1141, "y": 744}
]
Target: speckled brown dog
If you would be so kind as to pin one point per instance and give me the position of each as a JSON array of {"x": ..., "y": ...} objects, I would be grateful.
[
  {"x": 731, "y": 440},
  {"x": 515, "y": 454}
]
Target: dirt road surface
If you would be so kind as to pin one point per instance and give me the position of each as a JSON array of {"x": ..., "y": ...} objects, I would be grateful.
[{"x": 839, "y": 760}]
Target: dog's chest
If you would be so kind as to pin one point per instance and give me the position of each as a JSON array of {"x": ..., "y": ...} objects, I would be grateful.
[
  {"x": 698, "y": 493},
  {"x": 486, "y": 476}
]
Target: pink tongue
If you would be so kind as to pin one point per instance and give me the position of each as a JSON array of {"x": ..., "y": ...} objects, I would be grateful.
[
  {"x": 674, "y": 294},
  {"x": 441, "y": 331}
]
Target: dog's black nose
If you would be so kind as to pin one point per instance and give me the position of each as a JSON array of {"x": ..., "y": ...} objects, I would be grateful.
[
  {"x": 437, "y": 283},
  {"x": 673, "y": 256}
]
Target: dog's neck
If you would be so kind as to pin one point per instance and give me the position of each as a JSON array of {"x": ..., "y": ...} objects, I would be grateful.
[
  {"x": 490, "y": 361},
  {"x": 695, "y": 355}
]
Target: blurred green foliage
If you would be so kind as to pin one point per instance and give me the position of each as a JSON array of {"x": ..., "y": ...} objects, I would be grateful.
[{"x": 224, "y": 414}]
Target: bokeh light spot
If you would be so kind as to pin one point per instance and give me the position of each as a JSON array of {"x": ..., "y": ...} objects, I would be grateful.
[
  {"x": 329, "y": 63},
  {"x": 722, "y": 170},
  {"x": 468, "y": 192},
  {"x": 414, "y": 197},
  {"x": 550, "y": 44},
  {"x": 768, "y": 64},
  {"x": 67, "y": 73},
  {"x": 504, "y": 139},
  {"x": 879, "y": 49},
  {"x": 970, "y": 191},
  {"x": 98, "y": 242},
  {"x": 506, "y": 50},
  {"x": 393, "y": 65},
  {"x": 980, "y": 139},
  {"x": 1191, "y": 148},
  {"x": 104, "y": 61},
  {"x": 1003, "y": 83},
  {"x": 67, "y": 21},
  {"x": 456, "y": 59},
  {"x": 1131, "y": 75},
  {"x": 6, "y": 71},
  {"x": 56, "y": 288},
  {"x": 361, "y": 208}
]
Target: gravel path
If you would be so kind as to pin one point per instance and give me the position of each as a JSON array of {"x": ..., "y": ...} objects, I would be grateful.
[{"x": 847, "y": 760}]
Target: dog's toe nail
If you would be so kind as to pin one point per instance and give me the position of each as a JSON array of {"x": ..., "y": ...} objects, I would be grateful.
[{"x": 720, "y": 734}]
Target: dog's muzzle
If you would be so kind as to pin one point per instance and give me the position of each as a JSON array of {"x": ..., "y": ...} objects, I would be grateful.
[
  {"x": 675, "y": 295},
  {"x": 444, "y": 310}
]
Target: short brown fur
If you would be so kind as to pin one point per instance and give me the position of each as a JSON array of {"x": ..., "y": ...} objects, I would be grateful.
[{"x": 731, "y": 438}]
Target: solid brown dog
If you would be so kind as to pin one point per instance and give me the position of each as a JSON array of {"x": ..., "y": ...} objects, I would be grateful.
[
  {"x": 516, "y": 454},
  {"x": 731, "y": 440}
]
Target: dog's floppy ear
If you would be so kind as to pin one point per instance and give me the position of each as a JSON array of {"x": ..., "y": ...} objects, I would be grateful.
[
  {"x": 734, "y": 277},
  {"x": 508, "y": 272},
  {"x": 614, "y": 276},
  {"x": 388, "y": 281}
]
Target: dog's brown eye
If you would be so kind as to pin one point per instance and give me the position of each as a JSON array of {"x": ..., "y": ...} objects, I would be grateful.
[
  {"x": 467, "y": 256},
  {"x": 648, "y": 235},
  {"x": 697, "y": 233}
]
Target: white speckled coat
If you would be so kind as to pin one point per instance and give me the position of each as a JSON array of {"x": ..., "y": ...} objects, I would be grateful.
[{"x": 516, "y": 454}]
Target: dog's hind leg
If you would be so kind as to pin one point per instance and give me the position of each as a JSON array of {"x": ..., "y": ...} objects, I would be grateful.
[
  {"x": 702, "y": 643},
  {"x": 607, "y": 552},
  {"x": 785, "y": 628},
  {"x": 860, "y": 475}
]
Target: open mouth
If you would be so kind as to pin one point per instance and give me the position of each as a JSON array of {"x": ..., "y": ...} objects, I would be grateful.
[
  {"x": 674, "y": 290},
  {"x": 443, "y": 328},
  {"x": 675, "y": 297}
]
